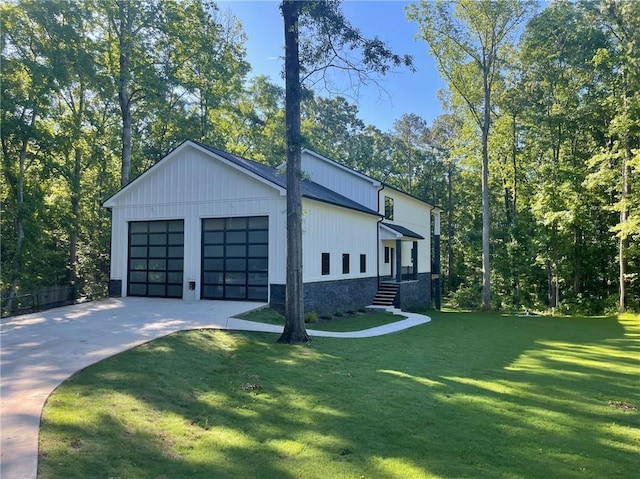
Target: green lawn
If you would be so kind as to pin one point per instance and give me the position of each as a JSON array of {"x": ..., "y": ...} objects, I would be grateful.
[{"x": 467, "y": 395}]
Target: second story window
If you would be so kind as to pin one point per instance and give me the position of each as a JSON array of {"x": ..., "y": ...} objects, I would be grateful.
[{"x": 388, "y": 208}]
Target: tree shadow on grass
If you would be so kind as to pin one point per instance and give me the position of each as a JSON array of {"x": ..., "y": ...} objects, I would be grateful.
[
  {"x": 461, "y": 397},
  {"x": 537, "y": 404}
]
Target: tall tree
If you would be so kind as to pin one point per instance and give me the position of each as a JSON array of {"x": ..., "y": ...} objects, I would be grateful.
[
  {"x": 329, "y": 36},
  {"x": 619, "y": 158},
  {"x": 132, "y": 31},
  {"x": 27, "y": 82},
  {"x": 470, "y": 40},
  {"x": 413, "y": 136},
  {"x": 557, "y": 51},
  {"x": 330, "y": 124},
  {"x": 294, "y": 329}
]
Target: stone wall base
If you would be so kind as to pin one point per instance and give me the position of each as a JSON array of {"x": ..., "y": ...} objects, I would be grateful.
[{"x": 329, "y": 296}]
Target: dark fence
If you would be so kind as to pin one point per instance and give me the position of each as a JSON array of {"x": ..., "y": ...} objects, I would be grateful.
[{"x": 44, "y": 298}]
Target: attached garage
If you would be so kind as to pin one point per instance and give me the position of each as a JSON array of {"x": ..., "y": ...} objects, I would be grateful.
[
  {"x": 235, "y": 258},
  {"x": 203, "y": 223},
  {"x": 156, "y": 258}
]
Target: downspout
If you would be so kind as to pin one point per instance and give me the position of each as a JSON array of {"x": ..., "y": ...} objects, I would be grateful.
[
  {"x": 436, "y": 263},
  {"x": 378, "y": 237}
]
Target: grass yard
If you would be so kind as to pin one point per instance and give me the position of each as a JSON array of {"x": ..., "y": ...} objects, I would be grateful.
[{"x": 467, "y": 395}]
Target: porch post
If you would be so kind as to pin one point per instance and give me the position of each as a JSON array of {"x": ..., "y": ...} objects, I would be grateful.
[
  {"x": 399, "y": 261},
  {"x": 436, "y": 260},
  {"x": 414, "y": 260}
]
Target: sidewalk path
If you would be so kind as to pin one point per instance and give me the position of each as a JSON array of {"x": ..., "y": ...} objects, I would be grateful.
[{"x": 39, "y": 351}]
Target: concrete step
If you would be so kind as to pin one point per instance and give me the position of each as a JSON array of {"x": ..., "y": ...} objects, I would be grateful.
[{"x": 386, "y": 294}]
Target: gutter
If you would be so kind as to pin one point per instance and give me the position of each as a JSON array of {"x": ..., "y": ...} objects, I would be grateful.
[{"x": 378, "y": 236}]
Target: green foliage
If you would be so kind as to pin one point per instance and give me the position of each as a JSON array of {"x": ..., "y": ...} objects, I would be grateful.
[
  {"x": 310, "y": 317},
  {"x": 60, "y": 139},
  {"x": 564, "y": 149}
]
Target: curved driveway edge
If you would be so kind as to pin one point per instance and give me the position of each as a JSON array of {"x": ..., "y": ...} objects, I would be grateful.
[{"x": 39, "y": 351}]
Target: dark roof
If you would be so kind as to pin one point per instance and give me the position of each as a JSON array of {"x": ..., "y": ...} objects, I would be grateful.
[
  {"x": 310, "y": 189},
  {"x": 403, "y": 231}
]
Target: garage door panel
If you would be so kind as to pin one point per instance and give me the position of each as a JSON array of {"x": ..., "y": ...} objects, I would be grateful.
[
  {"x": 235, "y": 258},
  {"x": 138, "y": 277},
  {"x": 158, "y": 290},
  {"x": 235, "y": 264},
  {"x": 156, "y": 258},
  {"x": 236, "y": 251},
  {"x": 137, "y": 289},
  {"x": 139, "y": 264},
  {"x": 235, "y": 292},
  {"x": 236, "y": 237},
  {"x": 257, "y": 293}
]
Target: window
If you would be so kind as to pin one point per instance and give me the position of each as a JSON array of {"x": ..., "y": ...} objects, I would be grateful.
[
  {"x": 325, "y": 264},
  {"x": 363, "y": 263},
  {"x": 388, "y": 208},
  {"x": 345, "y": 263},
  {"x": 387, "y": 254}
]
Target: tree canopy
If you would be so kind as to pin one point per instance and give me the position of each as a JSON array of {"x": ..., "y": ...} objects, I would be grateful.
[{"x": 539, "y": 180}]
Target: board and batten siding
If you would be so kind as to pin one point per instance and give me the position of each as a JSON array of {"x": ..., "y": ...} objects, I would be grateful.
[
  {"x": 340, "y": 179},
  {"x": 416, "y": 216},
  {"x": 191, "y": 185},
  {"x": 334, "y": 230}
]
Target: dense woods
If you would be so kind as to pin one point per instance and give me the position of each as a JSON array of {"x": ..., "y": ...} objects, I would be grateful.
[{"x": 94, "y": 92}]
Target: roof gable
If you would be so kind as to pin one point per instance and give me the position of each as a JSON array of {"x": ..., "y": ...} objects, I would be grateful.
[
  {"x": 264, "y": 173},
  {"x": 340, "y": 167}
]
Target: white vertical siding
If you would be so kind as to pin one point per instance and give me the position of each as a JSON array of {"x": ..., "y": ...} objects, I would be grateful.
[
  {"x": 339, "y": 179},
  {"x": 334, "y": 230},
  {"x": 416, "y": 216},
  {"x": 192, "y": 186}
]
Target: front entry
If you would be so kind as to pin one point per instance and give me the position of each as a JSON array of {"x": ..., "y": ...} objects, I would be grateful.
[{"x": 235, "y": 258}]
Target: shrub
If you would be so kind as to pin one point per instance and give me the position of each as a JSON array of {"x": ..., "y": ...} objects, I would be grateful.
[{"x": 311, "y": 317}]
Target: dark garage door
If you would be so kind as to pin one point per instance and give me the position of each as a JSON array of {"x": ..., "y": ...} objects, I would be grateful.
[
  {"x": 156, "y": 258},
  {"x": 235, "y": 258}
]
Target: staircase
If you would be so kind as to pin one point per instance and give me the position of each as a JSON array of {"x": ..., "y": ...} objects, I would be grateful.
[{"x": 386, "y": 294}]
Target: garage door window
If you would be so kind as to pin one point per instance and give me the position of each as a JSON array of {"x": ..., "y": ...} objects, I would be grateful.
[
  {"x": 235, "y": 258},
  {"x": 156, "y": 258}
]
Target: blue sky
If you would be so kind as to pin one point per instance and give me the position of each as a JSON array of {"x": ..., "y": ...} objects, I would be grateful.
[{"x": 402, "y": 91}]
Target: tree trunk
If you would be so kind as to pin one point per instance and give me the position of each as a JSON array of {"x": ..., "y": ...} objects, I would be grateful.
[
  {"x": 16, "y": 263},
  {"x": 625, "y": 191},
  {"x": 624, "y": 240},
  {"x": 124, "y": 98},
  {"x": 17, "y": 258},
  {"x": 450, "y": 230},
  {"x": 294, "y": 329},
  {"x": 75, "y": 212},
  {"x": 486, "y": 278}
]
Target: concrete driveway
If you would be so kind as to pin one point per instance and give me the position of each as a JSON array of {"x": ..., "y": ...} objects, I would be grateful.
[{"x": 39, "y": 351}]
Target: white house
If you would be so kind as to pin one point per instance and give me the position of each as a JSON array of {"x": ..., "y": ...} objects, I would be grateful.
[{"x": 205, "y": 224}]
